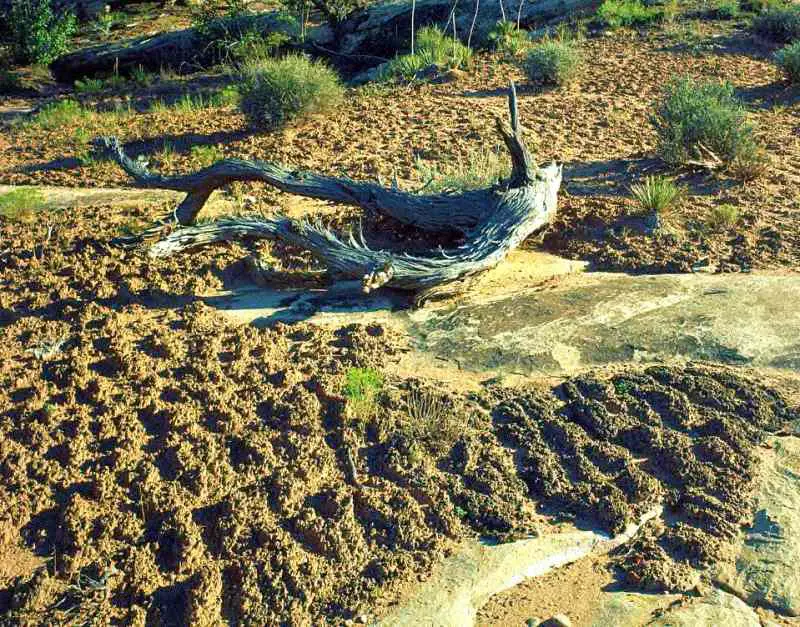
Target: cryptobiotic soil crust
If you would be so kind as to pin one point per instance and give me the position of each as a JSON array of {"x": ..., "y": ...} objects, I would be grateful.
[{"x": 159, "y": 465}]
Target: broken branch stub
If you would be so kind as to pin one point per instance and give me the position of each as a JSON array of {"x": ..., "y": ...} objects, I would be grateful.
[{"x": 494, "y": 220}]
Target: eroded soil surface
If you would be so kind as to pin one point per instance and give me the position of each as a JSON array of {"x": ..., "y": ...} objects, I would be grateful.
[{"x": 170, "y": 467}]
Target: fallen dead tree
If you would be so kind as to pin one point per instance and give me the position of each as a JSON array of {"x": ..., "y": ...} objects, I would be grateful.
[
  {"x": 364, "y": 39},
  {"x": 493, "y": 221}
]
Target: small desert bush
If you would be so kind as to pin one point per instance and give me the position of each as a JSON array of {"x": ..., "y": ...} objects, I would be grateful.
[
  {"x": 276, "y": 91},
  {"x": 723, "y": 217},
  {"x": 361, "y": 389},
  {"x": 434, "y": 418},
  {"x": 656, "y": 194},
  {"x": 432, "y": 48},
  {"x": 554, "y": 62},
  {"x": 21, "y": 204},
  {"x": 725, "y": 9},
  {"x": 698, "y": 121},
  {"x": 788, "y": 59},
  {"x": 780, "y": 24},
  {"x": 617, "y": 13},
  {"x": 480, "y": 168},
  {"x": 89, "y": 85},
  {"x": 508, "y": 39},
  {"x": 38, "y": 34}
]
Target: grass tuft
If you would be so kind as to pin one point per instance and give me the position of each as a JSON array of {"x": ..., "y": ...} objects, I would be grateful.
[
  {"x": 508, "y": 39},
  {"x": 656, "y": 195},
  {"x": 361, "y": 389},
  {"x": 20, "y": 205},
  {"x": 433, "y": 48},
  {"x": 480, "y": 168},
  {"x": 723, "y": 217}
]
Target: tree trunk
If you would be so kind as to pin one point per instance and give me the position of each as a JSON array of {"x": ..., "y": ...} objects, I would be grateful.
[{"x": 494, "y": 220}]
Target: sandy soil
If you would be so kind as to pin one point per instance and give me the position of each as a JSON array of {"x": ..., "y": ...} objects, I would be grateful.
[{"x": 170, "y": 467}]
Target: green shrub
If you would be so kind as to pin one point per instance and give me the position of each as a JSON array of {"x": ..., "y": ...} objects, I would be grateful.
[
  {"x": 275, "y": 91},
  {"x": 779, "y": 24},
  {"x": 656, "y": 194},
  {"x": 433, "y": 47},
  {"x": 553, "y": 62},
  {"x": 38, "y": 35},
  {"x": 505, "y": 37},
  {"x": 481, "y": 168},
  {"x": 695, "y": 119},
  {"x": 788, "y": 59},
  {"x": 617, "y": 13},
  {"x": 723, "y": 217}
]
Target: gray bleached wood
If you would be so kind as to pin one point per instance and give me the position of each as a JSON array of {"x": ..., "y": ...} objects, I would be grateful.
[{"x": 494, "y": 220}]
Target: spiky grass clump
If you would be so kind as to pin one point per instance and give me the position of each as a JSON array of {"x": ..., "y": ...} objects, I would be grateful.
[
  {"x": 698, "y": 121},
  {"x": 61, "y": 114},
  {"x": 554, "y": 62},
  {"x": 780, "y": 24},
  {"x": 508, "y": 39},
  {"x": 277, "y": 91},
  {"x": 788, "y": 59},
  {"x": 432, "y": 48},
  {"x": 656, "y": 195}
]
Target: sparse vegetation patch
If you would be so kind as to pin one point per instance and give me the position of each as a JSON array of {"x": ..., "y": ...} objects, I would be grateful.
[
  {"x": 780, "y": 24},
  {"x": 618, "y": 13},
  {"x": 20, "y": 204},
  {"x": 38, "y": 34},
  {"x": 480, "y": 168}
]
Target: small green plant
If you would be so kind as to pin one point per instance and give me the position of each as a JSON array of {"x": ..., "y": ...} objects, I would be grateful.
[
  {"x": 701, "y": 121},
  {"x": 206, "y": 155},
  {"x": 166, "y": 156},
  {"x": 554, "y": 62},
  {"x": 618, "y": 13},
  {"x": 656, "y": 195},
  {"x": 228, "y": 96},
  {"x": 788, "y": 60},
  {"x": 433, "y": 48},
  {"x": 89, "y": 85},
  {"x": 723, "y": 217},
  {"x": 107, "y": 20},
  {"x": 63, "y": 113},
  {"x": 142, "y": 77},
  {"x": 780, "y": 24},
  {"x": 277, "y": 91},
  {"x": 38, "y": 34},
  {"x": 480, "y": 168},
  {"x": 361, "y": 389},
  {"x": 21, "y": 204},
  {"x": 506, "y": 37}
]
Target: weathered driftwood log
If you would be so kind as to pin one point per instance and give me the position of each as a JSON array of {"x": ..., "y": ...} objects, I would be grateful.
[
  {"x": 494, "y": 220},
  {"x": 365, "y": 39}
]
